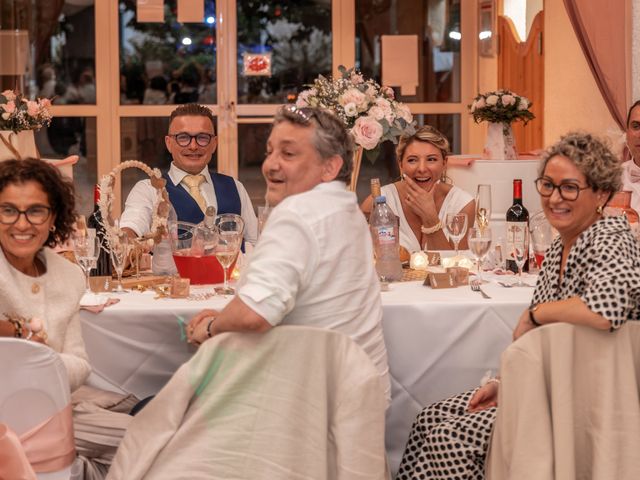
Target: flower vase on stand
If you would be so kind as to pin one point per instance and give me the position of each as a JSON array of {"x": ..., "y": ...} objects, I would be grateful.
[
  {"x": 17, "y": 145},
  {"x": 500, "y": 143}
]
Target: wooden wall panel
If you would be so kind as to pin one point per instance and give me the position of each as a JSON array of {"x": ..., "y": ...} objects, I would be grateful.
[{"x": 521, "y": 70}]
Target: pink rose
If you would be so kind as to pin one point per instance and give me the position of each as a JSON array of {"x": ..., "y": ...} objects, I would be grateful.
[
  {"x": 492, "y": 100},
  {"x": 355, "y": 96},
  {"x": 480, "y": 103},
  {"x": 9, "y": 95},
  {"x": 508, "y": 100},
  {"x": 376, "y": 112},
  {"x": 524, "y": 103},
  {"x": 367, "y": 132},
  {"x": 9, "y": 107},
  {"x": 32, "y": 108}
]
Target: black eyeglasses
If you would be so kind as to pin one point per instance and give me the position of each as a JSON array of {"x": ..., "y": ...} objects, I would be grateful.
[
  {"x": 568, "y": 191},
  {"x": 184, "y": 139},
  {"x": 36, "y": 215}
]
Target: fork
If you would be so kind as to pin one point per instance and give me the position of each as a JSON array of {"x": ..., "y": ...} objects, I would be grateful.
[{"x": 476, "y": 288}]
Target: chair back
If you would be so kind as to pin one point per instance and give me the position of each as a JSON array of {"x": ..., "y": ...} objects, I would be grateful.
[
  {"x": 294, "y": 402},
  {"x": 569, "y": 405},
  {"x": 34, "y": 389}
]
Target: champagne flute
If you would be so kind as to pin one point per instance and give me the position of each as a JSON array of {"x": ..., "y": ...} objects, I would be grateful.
[
  {"x": 479, "y": 243},
  {"x": 456, "y": 225},
  {"x": 230, "y": 230},
  {"x": 518, "y": 245},
  {"x": 119, "y": 248},
  {"x": 483, "y": 205},
  {"x": 86, "y": 248}
]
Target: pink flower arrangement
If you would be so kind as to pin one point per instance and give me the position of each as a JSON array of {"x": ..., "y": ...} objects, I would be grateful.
[
  {"x": 368, "y": 110},
  {"x": 501, "y": 106},
  {"x": 18, "y": 113}
]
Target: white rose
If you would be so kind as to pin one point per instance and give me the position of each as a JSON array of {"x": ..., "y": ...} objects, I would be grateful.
[
  {"x": 508, "y": 100},
  {"x": 404, "y": 112},
  {"x": 367, "y": 132},
  {"x": 480, "y": 103},
  {"x": 524, "y": 103},
  {"x": 376, "y": 112},
  {"x": 350, "y": 110},
  {"x": 355, "y": 96},
  {"x": 492, "y": 100}
]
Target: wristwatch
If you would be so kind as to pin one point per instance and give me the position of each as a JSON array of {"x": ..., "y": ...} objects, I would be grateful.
[{"x": 532, "y": 319}]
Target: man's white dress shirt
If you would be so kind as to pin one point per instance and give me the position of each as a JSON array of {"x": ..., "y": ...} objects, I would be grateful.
[
  {"x": 631, "y": 172},
  {"x": 313, "y": 266},
  {"x": 139, "y": 206}
]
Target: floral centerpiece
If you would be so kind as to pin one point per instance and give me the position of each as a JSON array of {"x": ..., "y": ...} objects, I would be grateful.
[
  {"x": 367, "y": 109},
  {"x": 19, "y": 116},
  {"x": 500, "y": 109}
]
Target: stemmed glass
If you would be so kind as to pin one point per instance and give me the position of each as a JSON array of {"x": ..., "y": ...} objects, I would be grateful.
[
  {"x": 119, "y": 248},
  {"x": 230, "y": 229},
  {"x": 483, "y": 205},
  {"x": 518, "y": 246},
  {"x": 456, "y": 225},
  {"x": 86, "y": 247},
  {"x": 479, "y": 240}
]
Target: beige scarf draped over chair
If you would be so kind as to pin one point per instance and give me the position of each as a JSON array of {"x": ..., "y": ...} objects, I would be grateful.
[{"x": 569, "y": 406}]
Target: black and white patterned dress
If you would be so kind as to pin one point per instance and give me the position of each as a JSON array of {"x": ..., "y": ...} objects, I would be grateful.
[{"x": 603, "y": 269}]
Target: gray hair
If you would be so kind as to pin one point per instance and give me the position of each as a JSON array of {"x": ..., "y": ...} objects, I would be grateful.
[
  {"x": 330, "y": 136},
  {"x": 591, "y": 156}
]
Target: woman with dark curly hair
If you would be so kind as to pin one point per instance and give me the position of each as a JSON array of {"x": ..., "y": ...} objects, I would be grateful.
[{"x": 39, "y": 290}]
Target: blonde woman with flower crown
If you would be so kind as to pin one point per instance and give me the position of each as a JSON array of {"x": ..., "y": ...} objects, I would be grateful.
[{"x": 422, "y": 198}]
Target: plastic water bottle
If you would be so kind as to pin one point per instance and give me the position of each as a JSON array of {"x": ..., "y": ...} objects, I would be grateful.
[{"x": 385, "y": 234}]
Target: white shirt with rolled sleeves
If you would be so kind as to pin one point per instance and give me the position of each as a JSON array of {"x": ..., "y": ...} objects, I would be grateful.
[
  {"x": 139, "y": 205},
  {"x": 628, "y": 184},
  {"x": 313, "y": 266}
]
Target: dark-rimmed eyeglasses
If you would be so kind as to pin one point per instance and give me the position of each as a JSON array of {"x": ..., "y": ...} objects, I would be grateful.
[
  {"x": 184, "y": 139},
  {"x": 36, "y": 215},
  {"x": 568, "y": 191}
]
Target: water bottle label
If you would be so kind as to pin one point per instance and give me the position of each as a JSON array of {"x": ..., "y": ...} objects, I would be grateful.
[{"x": 386, "y": 235}]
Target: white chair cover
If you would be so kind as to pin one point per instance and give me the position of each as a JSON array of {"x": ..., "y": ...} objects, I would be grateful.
[
  {"x": 569, "y": 406},
  {"x": 34, "y": 388},
  {"x": 292, "y": 403}
]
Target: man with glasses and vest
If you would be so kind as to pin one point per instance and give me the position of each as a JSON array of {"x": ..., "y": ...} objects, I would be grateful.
[{"x": 192, "y": 187}]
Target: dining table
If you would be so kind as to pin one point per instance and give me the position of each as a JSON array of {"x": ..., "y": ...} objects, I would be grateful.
[{"x": 439, "y": 341}]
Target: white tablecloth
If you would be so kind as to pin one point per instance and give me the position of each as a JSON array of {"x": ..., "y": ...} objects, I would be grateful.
[{"x": 439, "y": 342}]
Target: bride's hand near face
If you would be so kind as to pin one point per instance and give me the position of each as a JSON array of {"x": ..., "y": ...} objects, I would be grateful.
[{"x": 420, "y": 201}]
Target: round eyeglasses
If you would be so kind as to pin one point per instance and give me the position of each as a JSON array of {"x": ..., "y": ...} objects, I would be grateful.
[
  {"x": 36, "y": 215},
  {"x": 184, "y": 139},
  {"x": 568, "y": 191}
]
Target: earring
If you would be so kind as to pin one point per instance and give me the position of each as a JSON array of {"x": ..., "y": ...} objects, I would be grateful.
[
  {"x": 443, "y": 177},
  {"x": 52, "y": 229},
  {"x": 599, "y": 210}
]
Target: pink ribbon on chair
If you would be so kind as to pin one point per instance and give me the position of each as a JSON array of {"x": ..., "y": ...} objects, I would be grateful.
[
  {"x": 14, "y": 464},
  {"x": 50, "y": 446}
]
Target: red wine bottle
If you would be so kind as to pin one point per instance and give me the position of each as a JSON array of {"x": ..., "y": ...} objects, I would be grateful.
[
  {"x": 103, "y": 265},
  {"x": 517, "y": 216}
]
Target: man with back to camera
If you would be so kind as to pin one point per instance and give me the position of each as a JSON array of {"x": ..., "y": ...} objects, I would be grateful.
[
  {"x": 313, "y": 265},
  {"x": 192, "y": 187}
]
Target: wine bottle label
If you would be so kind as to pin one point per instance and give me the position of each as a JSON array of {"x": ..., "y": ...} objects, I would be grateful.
[
  {"x": 516, "y": 235},
  {"x": 386, "y": 235}
]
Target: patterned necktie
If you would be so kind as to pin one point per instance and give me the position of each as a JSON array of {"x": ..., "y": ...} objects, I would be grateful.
[{"x": 193, "y": 183}]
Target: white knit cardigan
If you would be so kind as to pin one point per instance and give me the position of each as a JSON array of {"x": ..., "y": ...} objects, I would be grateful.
[{"x": 63, "y": 286}]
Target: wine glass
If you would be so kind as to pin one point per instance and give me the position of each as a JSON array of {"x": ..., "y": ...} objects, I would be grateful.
[
  {"x": 479, "y": 240},
  {"x": 230, "y": 229},
  {"x": 542, "y": 235},
  {"x": 456, "y": 225},
  {"x": 483, "y": 205},
  {"x": 86, "y": 248},
  {"x": 518, "y": 247},
  {"x": 119, "y": 248}
]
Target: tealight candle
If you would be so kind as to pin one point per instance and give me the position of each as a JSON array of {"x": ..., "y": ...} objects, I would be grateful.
[{"x": 419, "y": 260}]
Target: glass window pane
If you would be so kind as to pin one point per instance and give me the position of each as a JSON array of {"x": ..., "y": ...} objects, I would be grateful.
[
  {"x": 73, "y": 136},
  {"x": 142, "y": 138},
  {"x": 296, "y": 36},
  {"x": 48, "y": 49},
  {"x": 251, "y": 152},
  {"x": 437, "y": 25},
  {"x": 168, "y": 62},
  {"x": 385, "y": 166}
]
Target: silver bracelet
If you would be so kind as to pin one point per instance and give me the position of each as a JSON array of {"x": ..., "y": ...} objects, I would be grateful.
[{"x": 430, "y": 230}]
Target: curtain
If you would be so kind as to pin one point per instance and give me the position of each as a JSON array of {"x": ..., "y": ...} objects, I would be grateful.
[{"x": 603, "y": 32}]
